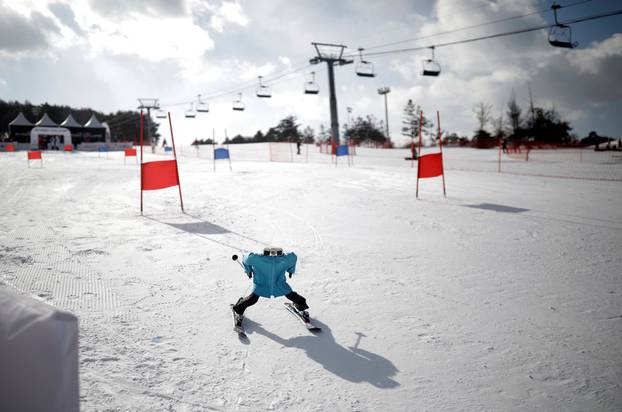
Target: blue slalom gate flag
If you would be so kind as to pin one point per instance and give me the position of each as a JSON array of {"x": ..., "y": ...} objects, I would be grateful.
[
  {"x": 103, "y": 148},
  {"x": 342, "y": 150},
  {"x": 221, "y": 153}
]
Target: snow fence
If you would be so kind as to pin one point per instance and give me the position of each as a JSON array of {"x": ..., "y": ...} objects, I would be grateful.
[{"x": 38, "y": 356}]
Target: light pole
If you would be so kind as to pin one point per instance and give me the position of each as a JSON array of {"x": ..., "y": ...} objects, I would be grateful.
[
  {"x": 331, "y": 54},
  {"x": 385, "y": 91},
  {"x": 149, "y": 103}
]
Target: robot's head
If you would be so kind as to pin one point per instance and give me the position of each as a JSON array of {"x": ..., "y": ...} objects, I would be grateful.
[{"x": 272, "y": 251}]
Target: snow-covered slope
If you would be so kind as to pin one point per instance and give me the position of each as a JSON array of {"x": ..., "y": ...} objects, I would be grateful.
[{"x": 506, "y": 295}]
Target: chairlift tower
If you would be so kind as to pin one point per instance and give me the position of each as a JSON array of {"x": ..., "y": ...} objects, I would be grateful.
[
  {"x": 384, "y": 91},
  {"x": 148, "y": 104},
  {"x": 331, "y": 54}
]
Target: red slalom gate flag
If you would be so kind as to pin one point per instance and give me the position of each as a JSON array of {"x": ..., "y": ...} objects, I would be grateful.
[
  {"x": 34, "y": 155},
  {"x": 68, "y": 148},
  {"x": 130, "y": 152},
  {"x": 10, "y": 148},
  {"x": 159, "y": 175},
  {"x": 430, "y": 165}
]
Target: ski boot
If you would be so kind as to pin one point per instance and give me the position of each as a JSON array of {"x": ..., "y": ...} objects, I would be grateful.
[
  {"x": 303, "y": 313},
  {"x": 237, "y": 318}
]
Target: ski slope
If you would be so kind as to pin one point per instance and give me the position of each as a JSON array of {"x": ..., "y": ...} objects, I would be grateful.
[{"x": 506, "y": 295}]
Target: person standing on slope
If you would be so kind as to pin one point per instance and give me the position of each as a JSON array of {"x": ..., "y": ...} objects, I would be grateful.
[{"x": 268, "y": 274}]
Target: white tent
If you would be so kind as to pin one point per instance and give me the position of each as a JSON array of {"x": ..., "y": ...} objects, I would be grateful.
[
  {"x": 93, "y": 123},
  {"x": 70, "y": 122},
  {"x": 20, "y": 120},
  {"x": 37, "y": 132},
  {"x": 45, "y": 121}
]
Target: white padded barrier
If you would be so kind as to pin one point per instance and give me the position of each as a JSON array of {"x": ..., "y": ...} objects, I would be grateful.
[{"x": 38, "y": 356}]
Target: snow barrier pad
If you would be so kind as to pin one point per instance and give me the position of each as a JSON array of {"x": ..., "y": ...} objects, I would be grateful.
[{"x": 38, "y": 356}]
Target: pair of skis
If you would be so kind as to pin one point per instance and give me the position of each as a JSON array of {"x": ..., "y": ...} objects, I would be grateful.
[{"x": 239, "y": 329}]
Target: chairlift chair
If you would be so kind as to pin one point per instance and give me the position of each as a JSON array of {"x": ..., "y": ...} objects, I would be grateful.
[
  {"x": 262, "y": 90},
  {"x": 190, "y": 113},
  {"x": 560, "y": 35},
  {"x": 202, "y": 107},
  {"x": 364, "y": 68},
  {"x": 311, "y": 87},
  {"x": 160, "y": 114},
  {"x": 238, "y": 105},
  {"x": 430, "y": 66}
]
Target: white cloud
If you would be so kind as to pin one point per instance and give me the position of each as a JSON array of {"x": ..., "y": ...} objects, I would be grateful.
[
  {"x": 217, "y": 23},
  {"x": 166, "y": 51},
  {"x": 590, "y": 60},
  {"x": 152, "y": 38},
  {"x": 250, "y": 71},
  {"x": 223, "y": 14},
  {"x": 232, "y": 12}
]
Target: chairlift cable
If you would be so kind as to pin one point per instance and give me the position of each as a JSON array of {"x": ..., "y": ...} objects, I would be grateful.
[
  {"x": 273, "y": 80},
  {"x": 276, "y": 78},
  {"x": 455, "y": 13},
  {"x": 470, "y": 27},
  {"x": 496, "y": 35},
  {"x": 250, "y": 87},
  {"x": 225, "y": 91}
]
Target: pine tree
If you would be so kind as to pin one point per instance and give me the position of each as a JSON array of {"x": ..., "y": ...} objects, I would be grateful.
[
  {"x": 410, "y": 121},
  {"x": 308, "y": 135},
  {"x": 323, "y": 134},
  {"x": 367, "y": 130},
  {"x": 514, "y": 113}
]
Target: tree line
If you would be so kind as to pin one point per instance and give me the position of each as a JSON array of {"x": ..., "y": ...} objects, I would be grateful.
[
  {"x": 124, "y": 124},
  {"x": 515, "y": 125},
  {"x": 359, "y": 131},
  {"x": 536, "y": 125}
]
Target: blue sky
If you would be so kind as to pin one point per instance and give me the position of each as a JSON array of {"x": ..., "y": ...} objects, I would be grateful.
[{"x": 106, "y": 53}]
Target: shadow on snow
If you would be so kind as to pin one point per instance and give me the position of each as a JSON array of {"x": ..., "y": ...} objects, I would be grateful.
[
  {"x": 498, "y": 208},
  {"x": 205, "y": 229},
  {"x": 352, "y": 363}
]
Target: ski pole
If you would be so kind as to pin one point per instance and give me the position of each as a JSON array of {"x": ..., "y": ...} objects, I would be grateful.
[{"x": 235, "y": 258}]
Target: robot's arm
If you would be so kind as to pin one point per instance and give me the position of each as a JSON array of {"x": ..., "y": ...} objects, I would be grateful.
[
  {"x": 247, "y": 262},
  {"x": 246, "y": 265},
  {"x": 292, "y": 259}
]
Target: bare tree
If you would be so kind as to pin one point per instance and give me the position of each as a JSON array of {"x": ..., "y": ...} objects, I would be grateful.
[
  {"x": 498, "y": 125},
  {"x": 483, "y": 112},
  {"x": 514, "y": 113}
]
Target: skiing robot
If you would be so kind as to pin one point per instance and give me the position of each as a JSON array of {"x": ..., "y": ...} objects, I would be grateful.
[{"x": 267, "y": 271}]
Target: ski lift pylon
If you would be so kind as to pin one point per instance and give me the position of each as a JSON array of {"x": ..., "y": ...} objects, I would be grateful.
[
  {"x": 311, "y": 87},
  {"x": 560, "y": 35},
  {"x": 190, "y": 113},
  {"x": 238, "y": 105},
  {"x": 160, "y": 114},
  {"x": 202, "y": 107},
  {"x": 364, "y": 68},
  {"x": 263, "y": 90},
  {"x": 430, "y": 66}
]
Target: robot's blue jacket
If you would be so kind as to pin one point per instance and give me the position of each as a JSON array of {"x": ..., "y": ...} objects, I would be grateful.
[{"x": 269, "y": 273}]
